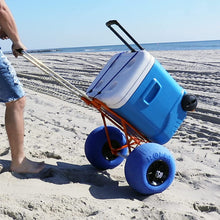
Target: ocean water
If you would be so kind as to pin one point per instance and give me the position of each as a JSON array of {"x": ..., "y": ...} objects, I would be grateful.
[{"x": 188, "y": 45}]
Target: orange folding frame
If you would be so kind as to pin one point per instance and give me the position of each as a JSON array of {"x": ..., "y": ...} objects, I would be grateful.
[{"x": 132, "y": 135}]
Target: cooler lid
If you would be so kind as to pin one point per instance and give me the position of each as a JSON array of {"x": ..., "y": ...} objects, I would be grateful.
[{"x": 120, "y": 77}]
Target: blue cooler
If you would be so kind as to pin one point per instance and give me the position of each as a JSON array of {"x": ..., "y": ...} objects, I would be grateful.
[{"x": 139, "y": 89}]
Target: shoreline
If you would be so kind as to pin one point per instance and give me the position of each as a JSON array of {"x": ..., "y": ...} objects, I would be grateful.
[{"x": 160, "y": 46}]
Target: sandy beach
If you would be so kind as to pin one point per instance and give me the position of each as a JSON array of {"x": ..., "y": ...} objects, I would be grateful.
[{"x": 57, "y": 124}]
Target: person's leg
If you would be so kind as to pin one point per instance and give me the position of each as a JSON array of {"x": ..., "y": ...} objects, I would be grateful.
[{"x": 14, "y": 122}]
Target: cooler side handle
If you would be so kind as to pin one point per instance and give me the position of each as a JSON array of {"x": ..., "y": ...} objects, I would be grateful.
[
  {"x": 115, "y": 22},
  {"x": 151, "y": 91}
]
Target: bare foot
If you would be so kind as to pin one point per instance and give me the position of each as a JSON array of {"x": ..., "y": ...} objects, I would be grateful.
[{"x": 27, "y": 166}]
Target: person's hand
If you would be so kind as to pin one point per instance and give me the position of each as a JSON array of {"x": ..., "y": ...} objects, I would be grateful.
[
  {"x": 3, "y": 35},
  {"x": 16, "y": 47}
]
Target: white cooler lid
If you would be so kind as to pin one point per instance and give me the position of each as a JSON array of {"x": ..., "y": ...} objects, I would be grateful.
[{"x": 120, "y": 78}]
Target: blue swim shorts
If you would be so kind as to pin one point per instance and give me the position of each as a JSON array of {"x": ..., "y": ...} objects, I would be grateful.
[{"x": 10, "y": 87}]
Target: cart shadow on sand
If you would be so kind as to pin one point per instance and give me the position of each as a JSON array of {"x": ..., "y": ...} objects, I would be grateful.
[{"x": 102, "y": 186}]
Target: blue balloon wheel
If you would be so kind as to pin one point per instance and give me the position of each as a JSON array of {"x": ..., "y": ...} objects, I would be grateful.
[
  {"x": 150, "y": 168},
  {"x": 97, "y": 149}
]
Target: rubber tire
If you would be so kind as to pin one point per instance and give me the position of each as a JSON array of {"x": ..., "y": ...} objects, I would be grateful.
[
  {"x": 95, "y": 142},
  {"x": 138, "y": 165}
]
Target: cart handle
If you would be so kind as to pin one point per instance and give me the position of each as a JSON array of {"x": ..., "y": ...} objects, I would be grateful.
[
  {"x": 54, "y": 75},
  {"x": 115, "y": 22}
]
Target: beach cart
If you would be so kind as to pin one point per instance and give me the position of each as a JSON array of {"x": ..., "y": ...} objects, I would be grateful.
[{"x": 142, "y": 107}]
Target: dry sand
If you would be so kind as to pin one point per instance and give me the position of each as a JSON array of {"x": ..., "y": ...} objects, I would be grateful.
[{"x": 57, "y": 124}]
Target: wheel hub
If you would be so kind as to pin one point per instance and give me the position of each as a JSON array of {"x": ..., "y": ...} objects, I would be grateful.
[
  {"x": 106, "y": 151},
  {"x": 157, "y": 173}
]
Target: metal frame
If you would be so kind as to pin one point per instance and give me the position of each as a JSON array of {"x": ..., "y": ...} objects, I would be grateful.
[{"x": 133, "y": 136}]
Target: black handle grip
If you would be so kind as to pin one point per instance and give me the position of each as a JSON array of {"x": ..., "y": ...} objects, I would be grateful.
[
  {"x": 115, "y": 22},
  {"x": 111, "y": 22},
  {"x": 20, "y": 50}
]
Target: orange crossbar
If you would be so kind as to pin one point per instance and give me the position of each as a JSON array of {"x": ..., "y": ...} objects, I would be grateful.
[{"x": 133, "y": 136}]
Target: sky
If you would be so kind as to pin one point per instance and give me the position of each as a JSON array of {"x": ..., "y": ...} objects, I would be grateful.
[{"x": 75, "y": 23}]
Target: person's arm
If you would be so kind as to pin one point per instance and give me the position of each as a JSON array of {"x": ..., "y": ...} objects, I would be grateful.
[{"x": 8, "y": 25}]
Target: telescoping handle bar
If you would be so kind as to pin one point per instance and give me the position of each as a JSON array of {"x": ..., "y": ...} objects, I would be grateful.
[
  {"x": 54, "y": 75},
  {"x": 115, "y": 22}
]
